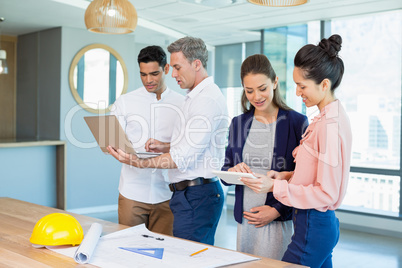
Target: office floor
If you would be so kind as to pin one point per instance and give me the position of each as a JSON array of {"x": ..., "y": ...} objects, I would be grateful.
[{"x": 354, "y": 250}]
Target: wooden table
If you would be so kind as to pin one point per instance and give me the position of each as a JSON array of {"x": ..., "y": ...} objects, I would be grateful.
[{"x": 17, "y": 219}]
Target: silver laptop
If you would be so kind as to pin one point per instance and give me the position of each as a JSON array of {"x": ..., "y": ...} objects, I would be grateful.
[{"x": 108, "y": 131}]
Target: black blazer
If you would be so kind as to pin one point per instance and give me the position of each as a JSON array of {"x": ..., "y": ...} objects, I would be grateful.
[{"x": 290, "y": 126}]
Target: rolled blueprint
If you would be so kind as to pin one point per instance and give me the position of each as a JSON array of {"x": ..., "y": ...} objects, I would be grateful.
[{"x": 85, "y": 250}]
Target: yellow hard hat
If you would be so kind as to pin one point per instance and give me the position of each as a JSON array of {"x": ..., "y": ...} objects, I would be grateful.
[{"x": 57, "y": 229}]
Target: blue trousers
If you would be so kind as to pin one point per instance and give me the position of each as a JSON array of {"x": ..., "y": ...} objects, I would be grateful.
[
  {"x": 315, "y": 236},
  {"x": 196, "y": 212}
]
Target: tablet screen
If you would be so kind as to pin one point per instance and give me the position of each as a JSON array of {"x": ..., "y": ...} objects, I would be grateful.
[{"x": 233, "y": 177}]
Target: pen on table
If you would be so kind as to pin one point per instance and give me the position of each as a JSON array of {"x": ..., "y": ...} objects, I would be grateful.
[
  {"x": 157, "y": 238},
  {"x": 195, "y": 253},
  {"x": 144, "y": 235}
]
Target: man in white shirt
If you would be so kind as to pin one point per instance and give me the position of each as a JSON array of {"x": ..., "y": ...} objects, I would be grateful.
[
  {"x": 148, "y": 112},
  {"x": 197, "y": 146}
]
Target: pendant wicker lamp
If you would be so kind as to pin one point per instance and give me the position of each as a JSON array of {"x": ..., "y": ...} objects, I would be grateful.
[
  {"x": 111, "y": 17},
  {"x": 278, "y": 3}
]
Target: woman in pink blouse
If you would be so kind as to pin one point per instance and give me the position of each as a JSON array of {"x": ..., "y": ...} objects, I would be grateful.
[{"x": 318, "y": 184}]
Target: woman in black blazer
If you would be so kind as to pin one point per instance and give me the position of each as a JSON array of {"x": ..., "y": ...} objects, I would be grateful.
[{"x": 262, "y": 139}]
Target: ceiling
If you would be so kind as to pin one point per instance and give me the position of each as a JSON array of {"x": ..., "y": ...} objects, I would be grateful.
[{"x": 217, "y": 22}]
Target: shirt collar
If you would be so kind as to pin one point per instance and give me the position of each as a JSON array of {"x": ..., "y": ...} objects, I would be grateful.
[
  {"x": 165, "y": 93},
  {"x": 153, "y": 95},
  {"x": 204, "y": 83},
  {"x": 330, "y": 110}
]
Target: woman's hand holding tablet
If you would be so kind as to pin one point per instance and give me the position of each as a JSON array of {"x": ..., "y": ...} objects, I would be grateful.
[{"x": 233, "y": 177}]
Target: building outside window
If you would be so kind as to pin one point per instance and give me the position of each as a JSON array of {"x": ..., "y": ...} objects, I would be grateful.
[{"x": 371, "y": 94}]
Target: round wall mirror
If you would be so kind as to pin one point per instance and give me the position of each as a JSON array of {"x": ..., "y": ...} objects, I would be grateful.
[{"x": 97, "y": 77}]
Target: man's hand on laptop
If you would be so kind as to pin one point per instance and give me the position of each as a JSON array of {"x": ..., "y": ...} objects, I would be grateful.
[
  {"x": 123, "y": 157},
  {"x": 156, "y": 146}
]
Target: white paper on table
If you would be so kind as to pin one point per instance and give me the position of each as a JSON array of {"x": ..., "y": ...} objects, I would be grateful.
[
  {"x": 176, "y": 252},
  {"x": 84, "y": 252}
]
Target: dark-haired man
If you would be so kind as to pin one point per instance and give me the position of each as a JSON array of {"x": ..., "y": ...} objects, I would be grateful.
[{"x": 147, "y": 112}]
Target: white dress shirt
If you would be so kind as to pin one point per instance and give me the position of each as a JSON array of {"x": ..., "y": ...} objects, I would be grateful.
[
  {"x": 142, "y": 116},
  {"x": 198, "y": 142}
]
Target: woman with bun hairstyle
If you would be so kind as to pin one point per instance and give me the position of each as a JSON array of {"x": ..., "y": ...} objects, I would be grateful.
[
  {"x": 262, "y": 139},
  {"x": 318, "y": 184}
]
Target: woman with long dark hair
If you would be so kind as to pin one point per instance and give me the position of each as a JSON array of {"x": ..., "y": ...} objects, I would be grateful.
[{"x": 262, "y": 139}]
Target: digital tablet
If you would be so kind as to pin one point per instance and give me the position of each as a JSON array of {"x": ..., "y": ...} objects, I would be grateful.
[
  {"x": 108, "y": 131},
  {"x": 147, "y": 154},
  {"x": 233, "y": 177}
]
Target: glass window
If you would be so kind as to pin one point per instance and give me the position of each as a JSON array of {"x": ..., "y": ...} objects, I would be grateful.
[
  {"x": 371, "y": 94},
  {"x": 228, "y": 60},
  {"x": 376, "y": 194},
  {"x": 371, "y": 86},
  {"x": 280, "y": 46}
]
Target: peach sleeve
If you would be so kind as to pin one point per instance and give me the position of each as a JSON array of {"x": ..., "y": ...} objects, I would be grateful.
[{"x": 317, "y": 180}]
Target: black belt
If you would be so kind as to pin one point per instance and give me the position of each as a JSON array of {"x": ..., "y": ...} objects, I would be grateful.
[{"x": 180, "y": 186}]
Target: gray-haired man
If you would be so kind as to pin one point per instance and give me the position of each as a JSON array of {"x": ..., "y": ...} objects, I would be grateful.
[{"x": 197, "y": 146}]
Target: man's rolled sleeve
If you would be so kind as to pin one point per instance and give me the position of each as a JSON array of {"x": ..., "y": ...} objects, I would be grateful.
[{"x": 178, "y": 159}]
